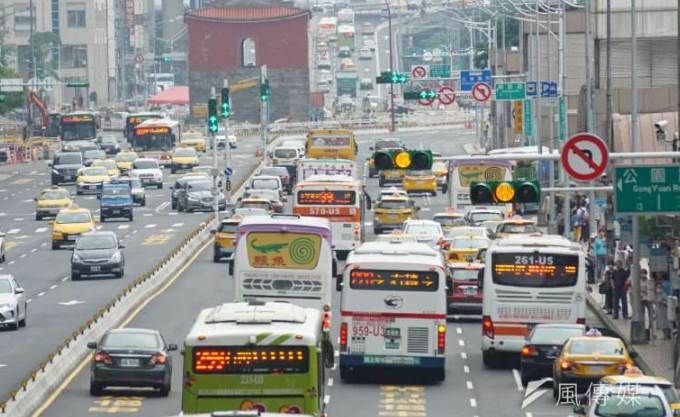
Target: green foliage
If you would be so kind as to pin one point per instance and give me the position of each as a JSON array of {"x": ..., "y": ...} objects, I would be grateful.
[{"x": 11, "y": 100}]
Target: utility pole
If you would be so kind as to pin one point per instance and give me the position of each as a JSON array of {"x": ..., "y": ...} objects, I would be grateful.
[
  {"x": 226, "y": 114},
  {"x": 609, "y": 134},
  {"x": 264, "y": 109},
  {"x": 537, "y": 62},
  {"x": 563, "y": 81},
  {"x": 392, "y": 68}
]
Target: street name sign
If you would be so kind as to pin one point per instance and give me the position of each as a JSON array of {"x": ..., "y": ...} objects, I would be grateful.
[
  {"x": 647, "y": 189},
  {"x": 440, "y": 71},
  {"x": 468, "y": 78},
  {"x": 510, "y": 91}
]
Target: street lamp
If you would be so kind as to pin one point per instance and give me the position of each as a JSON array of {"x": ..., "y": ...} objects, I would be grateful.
[{"x": 389, "y": 22}]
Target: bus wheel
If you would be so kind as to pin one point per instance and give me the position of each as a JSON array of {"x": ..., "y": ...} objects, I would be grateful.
[
  {"x": 345, "y": 374},
  {"x": 438, "y": 375},
  {"x": 489, "y": 359}
]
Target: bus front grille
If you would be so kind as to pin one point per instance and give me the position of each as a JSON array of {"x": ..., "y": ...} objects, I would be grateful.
[
  {"x": 418, "y": 338},
  {"x": 282, "y": 285}
]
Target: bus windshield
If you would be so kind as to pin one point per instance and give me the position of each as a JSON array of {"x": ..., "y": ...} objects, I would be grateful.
[
  {"x": 534, "y": 269},
  {"x": 78, "y": 130},
  {"x": 479, "y": 173},
  {"x": 153, "y": 139}
]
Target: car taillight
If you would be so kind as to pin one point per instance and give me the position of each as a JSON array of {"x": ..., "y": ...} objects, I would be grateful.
[
  {"x": 625, "y": 366},
  {"x": 158, "y": 359},
  {"x": 581, "y": 320},
  {"x": 529, "y": 351},
  {"x": 566, "y": 365},
  {"x": 487, "y": 327},
  {"x": 103, "y": 357},
  {"x": 441, "y": 339},
  {"x": 343, "y": 337}
]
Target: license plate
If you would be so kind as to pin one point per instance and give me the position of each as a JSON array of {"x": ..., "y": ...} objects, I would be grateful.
[
  {"x": 470, "y": 291},
  {"x": 595, "y": 369},
  {"x": 116, "y": 211},
  {"x": 129, "y": 363},
  {"x": 68, "y": 178},
  {"x": 71, "y": 237},
  {"x": 95, "y": 268},
  {"x": 392, "y": 216}
]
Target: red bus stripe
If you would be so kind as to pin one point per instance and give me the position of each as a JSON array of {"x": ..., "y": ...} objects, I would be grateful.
[{"x": 394, "y": 315}]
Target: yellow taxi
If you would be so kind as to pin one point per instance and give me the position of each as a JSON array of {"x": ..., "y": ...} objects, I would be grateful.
[
  {"x": 225, "y": 237},
  {"x": 195, "y": 140},
  {"x": 390, "y": 176},
  {"x": 183, "y": 158},
  {"x": 69, "y": 224},
  {"x": 90, "y": 179},
  {"x": 441, "y": 172},
  {"x": 125, "y": 159},
  {"x": 50, "y": 201},
  {"x": 634, "y": 377},
  {"x": 390, "y": 212},
  {"x": 585, "y": 359},
  {"x": 420, "y": 181},
  {"x": 449, "y": 219},
  {"x": 515, "y": 227},
  {"x": 257, "y": 202},
  {"x": 110, "y": 165},
  {"x": 466, "y": 249}
]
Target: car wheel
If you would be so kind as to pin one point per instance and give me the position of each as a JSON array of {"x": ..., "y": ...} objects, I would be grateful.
[
  {"x": 38, "y": 216},
  {"x": 55, "y": 245},
  {"x": 78, "y": 192},
  {"x": 216, "y": 257},
  {"x": 489, "y": 359},
  {"x": 556, "y": 388},
  {"x": 524, "y": 377},
  {"x": 120, "y": 274},
  {"x": 164, "y": 390},
  {"x": 22, "y": 322},
  {"x": 346, "y": 374},
  {"x": 173, "y": 204},
  {"x": 376, "y": 231},
  {"x": 173, "y": 170},
  {"x": 103, "y": 219},
  {"x": 131, "y": 217},
  {"x": 95, "y": 388},
  {"x": 74, "y": 276},
  {"x": 160, "y": 186},
  {"x": 144, "y": 202},
  {"x": 381, "y": 182}
]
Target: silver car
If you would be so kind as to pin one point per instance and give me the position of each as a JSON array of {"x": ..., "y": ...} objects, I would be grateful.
[{"x": 12, "y": 303}]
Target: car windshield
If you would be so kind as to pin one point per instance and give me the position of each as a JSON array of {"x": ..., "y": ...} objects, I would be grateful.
[
  {"x": 465, "y": 230},
  {"x": 249, "y": 211},
  {"x": 200, "y": 186},
  {"x": 439, "y": 166},
  {"x": 108, "y": 164},
  {"x": 73, "y": 217},
  {"x": 115, "y": 191},
  {"x": 93, "y": 172},
  {"x": 109, "y": 140},
  {"x": 285, "y": 153},
  {"x": 448, "y": 220},
  {"x": 631, "y": 404},
  {"x": 71, "y": 159},
  {"x": 126, "y": 157},
  {"x": 485, "y": 215},
  {"x": 596, "y": 346},
  {"x": 419, "y": 173},
  {"x": 54, "y": 195},
  {"x": 468, "y": 243},
  {"x": 270, "y": 184},
  {"x": 130, "y": 340},
  {"x": 554, "y": 335},
  {"x": 422, "y": 229},
  {"x": 95, "y": 242},
  {"x": 145, "y": 164},
  {"x": 270, "y": 195},
  {"x": 227, "y": 228},
  {"x": 5, "y": 286},
  {"x": 183, "y": 152},
  {"x": 518, "y": 228},
  {"x": 265, "y": 205},
  {"x": 387, "y": 144},
  {"x": 393, "y": 205},
  {"x": 466, "y": 274},
  {"x": 94, "y": 153},
  {"x": 192, "y": 136},
  {"x": 275, "y": 171}
]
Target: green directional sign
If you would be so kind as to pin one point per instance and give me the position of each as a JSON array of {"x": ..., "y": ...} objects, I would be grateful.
[
  {"x": 420, "y": 95},
  {"x": 528, "y": 120},
  {"x": 78, "y": 83},
  {"x": 440, "y": 70},
  {"x": 510, "y": 91},
  {"x": 647, "y": 189}
]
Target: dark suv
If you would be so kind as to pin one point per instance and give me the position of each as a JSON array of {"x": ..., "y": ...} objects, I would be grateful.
[{"x": 65, "y": 166}]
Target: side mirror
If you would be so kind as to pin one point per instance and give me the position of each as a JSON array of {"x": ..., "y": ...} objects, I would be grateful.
[
  {"x": 49, "y": 164},
  {"x": 338, "y": 283},
  {"x": 171, "y": 347},
  {"x": 172, "y": 187},
  {"x": 19, "y": 290},
  {"x": 92, "y": 345},
  {"x": 121, "y": 245},
  {"x": 417, "y": 208},
  {"x": 633, "y": 355},
  {"x": 35, "y": 198}
]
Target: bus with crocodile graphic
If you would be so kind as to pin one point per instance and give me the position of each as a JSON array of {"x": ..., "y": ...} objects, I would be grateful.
[
  {"x": 285, "y": 258},
  {"x": 465, "y": 170}
]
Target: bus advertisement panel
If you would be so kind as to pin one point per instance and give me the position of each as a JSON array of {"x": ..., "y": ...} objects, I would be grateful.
[
  {"x": 331, "y": 144},
  {"x": 312, "y": 167}
]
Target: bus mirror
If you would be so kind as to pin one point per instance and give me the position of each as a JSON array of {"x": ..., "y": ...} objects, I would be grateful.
[
  {"x": 338, "y": 283},
  {"x": 328, "y": 352}
]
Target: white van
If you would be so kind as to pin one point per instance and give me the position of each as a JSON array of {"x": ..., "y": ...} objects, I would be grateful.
[{"x": 393, "y": 309}]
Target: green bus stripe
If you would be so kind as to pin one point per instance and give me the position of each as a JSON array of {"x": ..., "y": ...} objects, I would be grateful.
[
  {"x": 260, "y": 337},
  {"x": 279, "y": 340}
]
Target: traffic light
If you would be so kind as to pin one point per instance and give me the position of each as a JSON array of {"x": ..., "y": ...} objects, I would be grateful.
[
  {"x": 502, "y": 192},
  {"x": 403, "y": 159},
  {"x": 166, "y": 59},
  {"x": 265, "y": 92},
  {"x": 212, "y": 115},
  {"x": 225, "y": 106},
  {"x": 420, "y": 95},
  {"x": 391, "y": 77}
]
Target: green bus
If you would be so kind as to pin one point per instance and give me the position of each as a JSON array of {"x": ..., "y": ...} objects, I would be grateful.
[{"x": 266, "y": 357}]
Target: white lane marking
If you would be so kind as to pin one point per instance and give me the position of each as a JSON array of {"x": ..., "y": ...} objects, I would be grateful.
[
  {"x": 173, "y": 213},
  {"x": 5, "y": 198},
  {"x": 30, "y": 200},
  {"x": 326, "y": 399},
  {"x": 459, "y": 330},
  {"x": 64, "y": 279},
  {"x": 3, "y": 214},
  {"x": 528, "y": 414},
  {"x": 162, "y": 206},
  {"x": 463, "y": 355},
  {"x": 177, "y": 225},
  {"x": 461, "y": 343},
  {"x": 40, "y": 294},
  {"x": 2, "y": 365},
  {"x": 12, "y": 262},
  {"x": 135, "y": 231},
  {"x": 43, "y": 244},
  {"x": 469, "y": 385},
  {"x": 71, "y": 303},
  {"x": 518, "y": 379},
  {"x": 473, "y": 403},
  {"x": 41, "y": 230},
  {"x": 147, "y": 214},
  {"x": 34, "y": 250},
  {"x": 337, "y": 354},
  {"x": 168, "y": 230},
  {"x": 23, "y": 255},
  {"x": 99, "y": 227},
  {"x": 150, "y": 226},
  {"x": 330, "y": 382},
  {"x": 53, "y": 286},
  {"x": 13, "y": 231},
  {"x": 123, "y": 226}
]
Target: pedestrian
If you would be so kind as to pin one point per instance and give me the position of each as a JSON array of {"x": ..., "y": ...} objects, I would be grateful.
[
  {"x": 584, "y": 218},
  {"x": 664, "y": 290},
  {"x": 648, "y": 297},
  {"x": 576, "y": 224},
  {"x": 620, "y": 277},
  {"x": 601, "y": 252},
  {"x": 606, "y": 287},
  {"x": 619, "y": 253},
  {"x": 590, "y": 262}
]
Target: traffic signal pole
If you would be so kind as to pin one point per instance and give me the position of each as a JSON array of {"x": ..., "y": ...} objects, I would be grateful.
[
  {"x": 264, "y": 110},
  {"x": 211, "y": 132},
  {"x": 227, "y": 146},
  {"x": 389, "y": 23}
]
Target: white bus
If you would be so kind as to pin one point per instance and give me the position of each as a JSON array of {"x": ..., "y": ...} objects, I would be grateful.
[
  {"x": 309, "y": 167},
  {"x": 393, "y": 309},
  {"x": 328, "y": 27},
  {"x": 284, "y": 258},
  {"x": 341, "y": 200},
  {"x": 466, "y": 170},
  {"x": 530, "y": 280}
]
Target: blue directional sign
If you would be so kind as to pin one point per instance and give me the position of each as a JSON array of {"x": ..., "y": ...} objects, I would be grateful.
[
  {"x": 548, "y": 88},
  {"x": 532, "y": 90},
  {"x": 468, "y": 79},
  {"x": 228, "y": 172}
]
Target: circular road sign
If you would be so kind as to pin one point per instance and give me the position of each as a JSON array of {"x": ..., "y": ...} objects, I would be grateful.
[
  {"x": 228, "y": 171},
  {"x": 481, "y": 92},
  {"x": 139, "y": 58},
  {"x": 427, "y": 56},
  {"x": 584, "y": 156},
  {"x": 419, "y": 71},
  {"x": 425, "y": 101},
  {"x": 446, "y": 95}
]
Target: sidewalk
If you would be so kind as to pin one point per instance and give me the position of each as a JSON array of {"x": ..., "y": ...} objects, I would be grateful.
[{"x": 653, "y": 358}]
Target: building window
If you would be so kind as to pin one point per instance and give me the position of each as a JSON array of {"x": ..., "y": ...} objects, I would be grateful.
[
  {"x": 22, "y": 21},
  {"x": 248, "y": 53},
  {"x": 75, "y": 15},
  {"x": 74, "y": 56}
]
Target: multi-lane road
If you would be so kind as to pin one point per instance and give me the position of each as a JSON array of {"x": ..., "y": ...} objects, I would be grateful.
[
  {"x": 57, "y": 306},
  {"x": 469, "y": 390}
]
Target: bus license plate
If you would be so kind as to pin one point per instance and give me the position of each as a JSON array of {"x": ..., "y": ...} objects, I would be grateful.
[
  {"x": 129, "y": 363},
  {"x": 470, "y": 290}
]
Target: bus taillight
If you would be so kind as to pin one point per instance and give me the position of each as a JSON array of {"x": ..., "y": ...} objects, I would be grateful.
[
  {"x": 581, "y": 320},
  {"x": 487, "y": 327},
  {"x": 343, "y": 337},
  {"x": 441, "y": 339}
]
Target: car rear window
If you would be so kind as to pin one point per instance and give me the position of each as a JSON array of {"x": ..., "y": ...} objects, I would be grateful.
[
  {"x": 269, "y": 184},
  {"x": 145, "y": 164},
  {"x": 553, "y": 335},
  {"x": 466, "y": 274},
  {"x": 95, "y": 242},
  {"x": 391, "y": 205},
  {"x": 68, "y": 159},
  {"x": 596, "y": 346},
  {"x": 130, "y": 340},
  {"x": 227, "y": 228},
  {"x": 285, "y": 153}
]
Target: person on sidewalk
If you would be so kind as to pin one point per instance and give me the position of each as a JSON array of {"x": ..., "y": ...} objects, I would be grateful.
[
  {"x": 606, "y": 287},
  {"x": 584, "y": 216},
  {"x": 648, "y": 297},
  {"x": 620, "y": 279},
  {"x": 664, "y": 290},
  {"x": 601, "y": 251}
]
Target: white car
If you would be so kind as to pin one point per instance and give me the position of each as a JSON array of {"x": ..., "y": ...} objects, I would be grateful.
[
  {"x": 365, "y": 53},
  {"x": 299, "y": 144},
  {"x": 476, "y": 216},
  {"x": 266, "y": 182},
  {"x": 148, "y": 171},
  {"x": 425, "y": 231},
  {"x": 12, "y": 303},
  {"x": 370, "y": 44}
]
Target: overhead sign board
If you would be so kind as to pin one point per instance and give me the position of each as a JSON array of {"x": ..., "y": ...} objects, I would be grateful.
[
  {"x": 11, "y": 85},
  {"x": 510, "y": 91},
  {"x": 584, "y": 156},
  {"x": 468, "y": 79},
  {"x": 647, "y": 189},
  {"x": 440, "y": 71}
]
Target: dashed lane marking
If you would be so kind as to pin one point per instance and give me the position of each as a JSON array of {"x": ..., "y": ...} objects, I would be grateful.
[
  {"x": 150, "y": 226},
  {"x": 22, "y": 181},
  {"x": 34, "y": 250},
  {"x": 459, "y": 330},
  {"x": 40, "y": 294},
  {"x": 53, "y": 286},
  {"x": 463, "y": 355},
  {"x": 469, "y": 385},
  {"x": 177, "y": 225},
  {"x": 23, "y": 255},
  {"x": 330, "y": 382},
  {"x": 461, "y": 343},
  {"x": 147, "y": 214},
  {"x": 473, "y": 403},
  {"x": 13, "y": 231},
  {"x": 12, "y": 262},
  {"x": 123, "y": 226},
  {"x": 518, "y": 379},
  {"x": 41, "y": 230}
]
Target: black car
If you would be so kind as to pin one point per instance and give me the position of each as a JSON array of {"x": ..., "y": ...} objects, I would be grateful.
[
  {"x": 281, "y": 172},
  {"x": 542, "y": 346},
  {"x": 131, "y": 358},
  {"x": 109, "y": 144},
  {"x": 197, "y": 195},
  {"x": 97, "y": 253},
  {"x": 65, "y": 166}
]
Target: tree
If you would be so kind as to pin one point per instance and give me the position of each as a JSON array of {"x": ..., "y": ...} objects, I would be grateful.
[
  {"x": 10, "y": 101},
  {"x": 43, "y": 44}
]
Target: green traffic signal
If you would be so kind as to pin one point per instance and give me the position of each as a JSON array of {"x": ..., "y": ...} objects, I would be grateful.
[
  {"x": 265, "y": 92},
  {"x": 420, "y": 95},
  {"x": 225, "y": 106},
  {"x": 391, "y": 77},
  {"x": 212, "y": 115},
  {"x": 403, "y": 159},
  {"x": 503, "y": 192}
]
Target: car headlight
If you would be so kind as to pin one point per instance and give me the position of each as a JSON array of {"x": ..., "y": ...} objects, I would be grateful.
[
  {"x": 54, "y": 171},
  {"x": 77, "y": 258},
  {"x": 7, "y": 306},
  {"x": 115, "y": 257}
]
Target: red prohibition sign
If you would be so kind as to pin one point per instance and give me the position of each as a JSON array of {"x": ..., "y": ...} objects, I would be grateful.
[
  {"x": 584, "y": 156},
  {"x": 481, "y": 92},
  {"x": 425, "y": 102},
  {"x": 418, "y": 72},
  {"x": 447, "y": 95}
]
